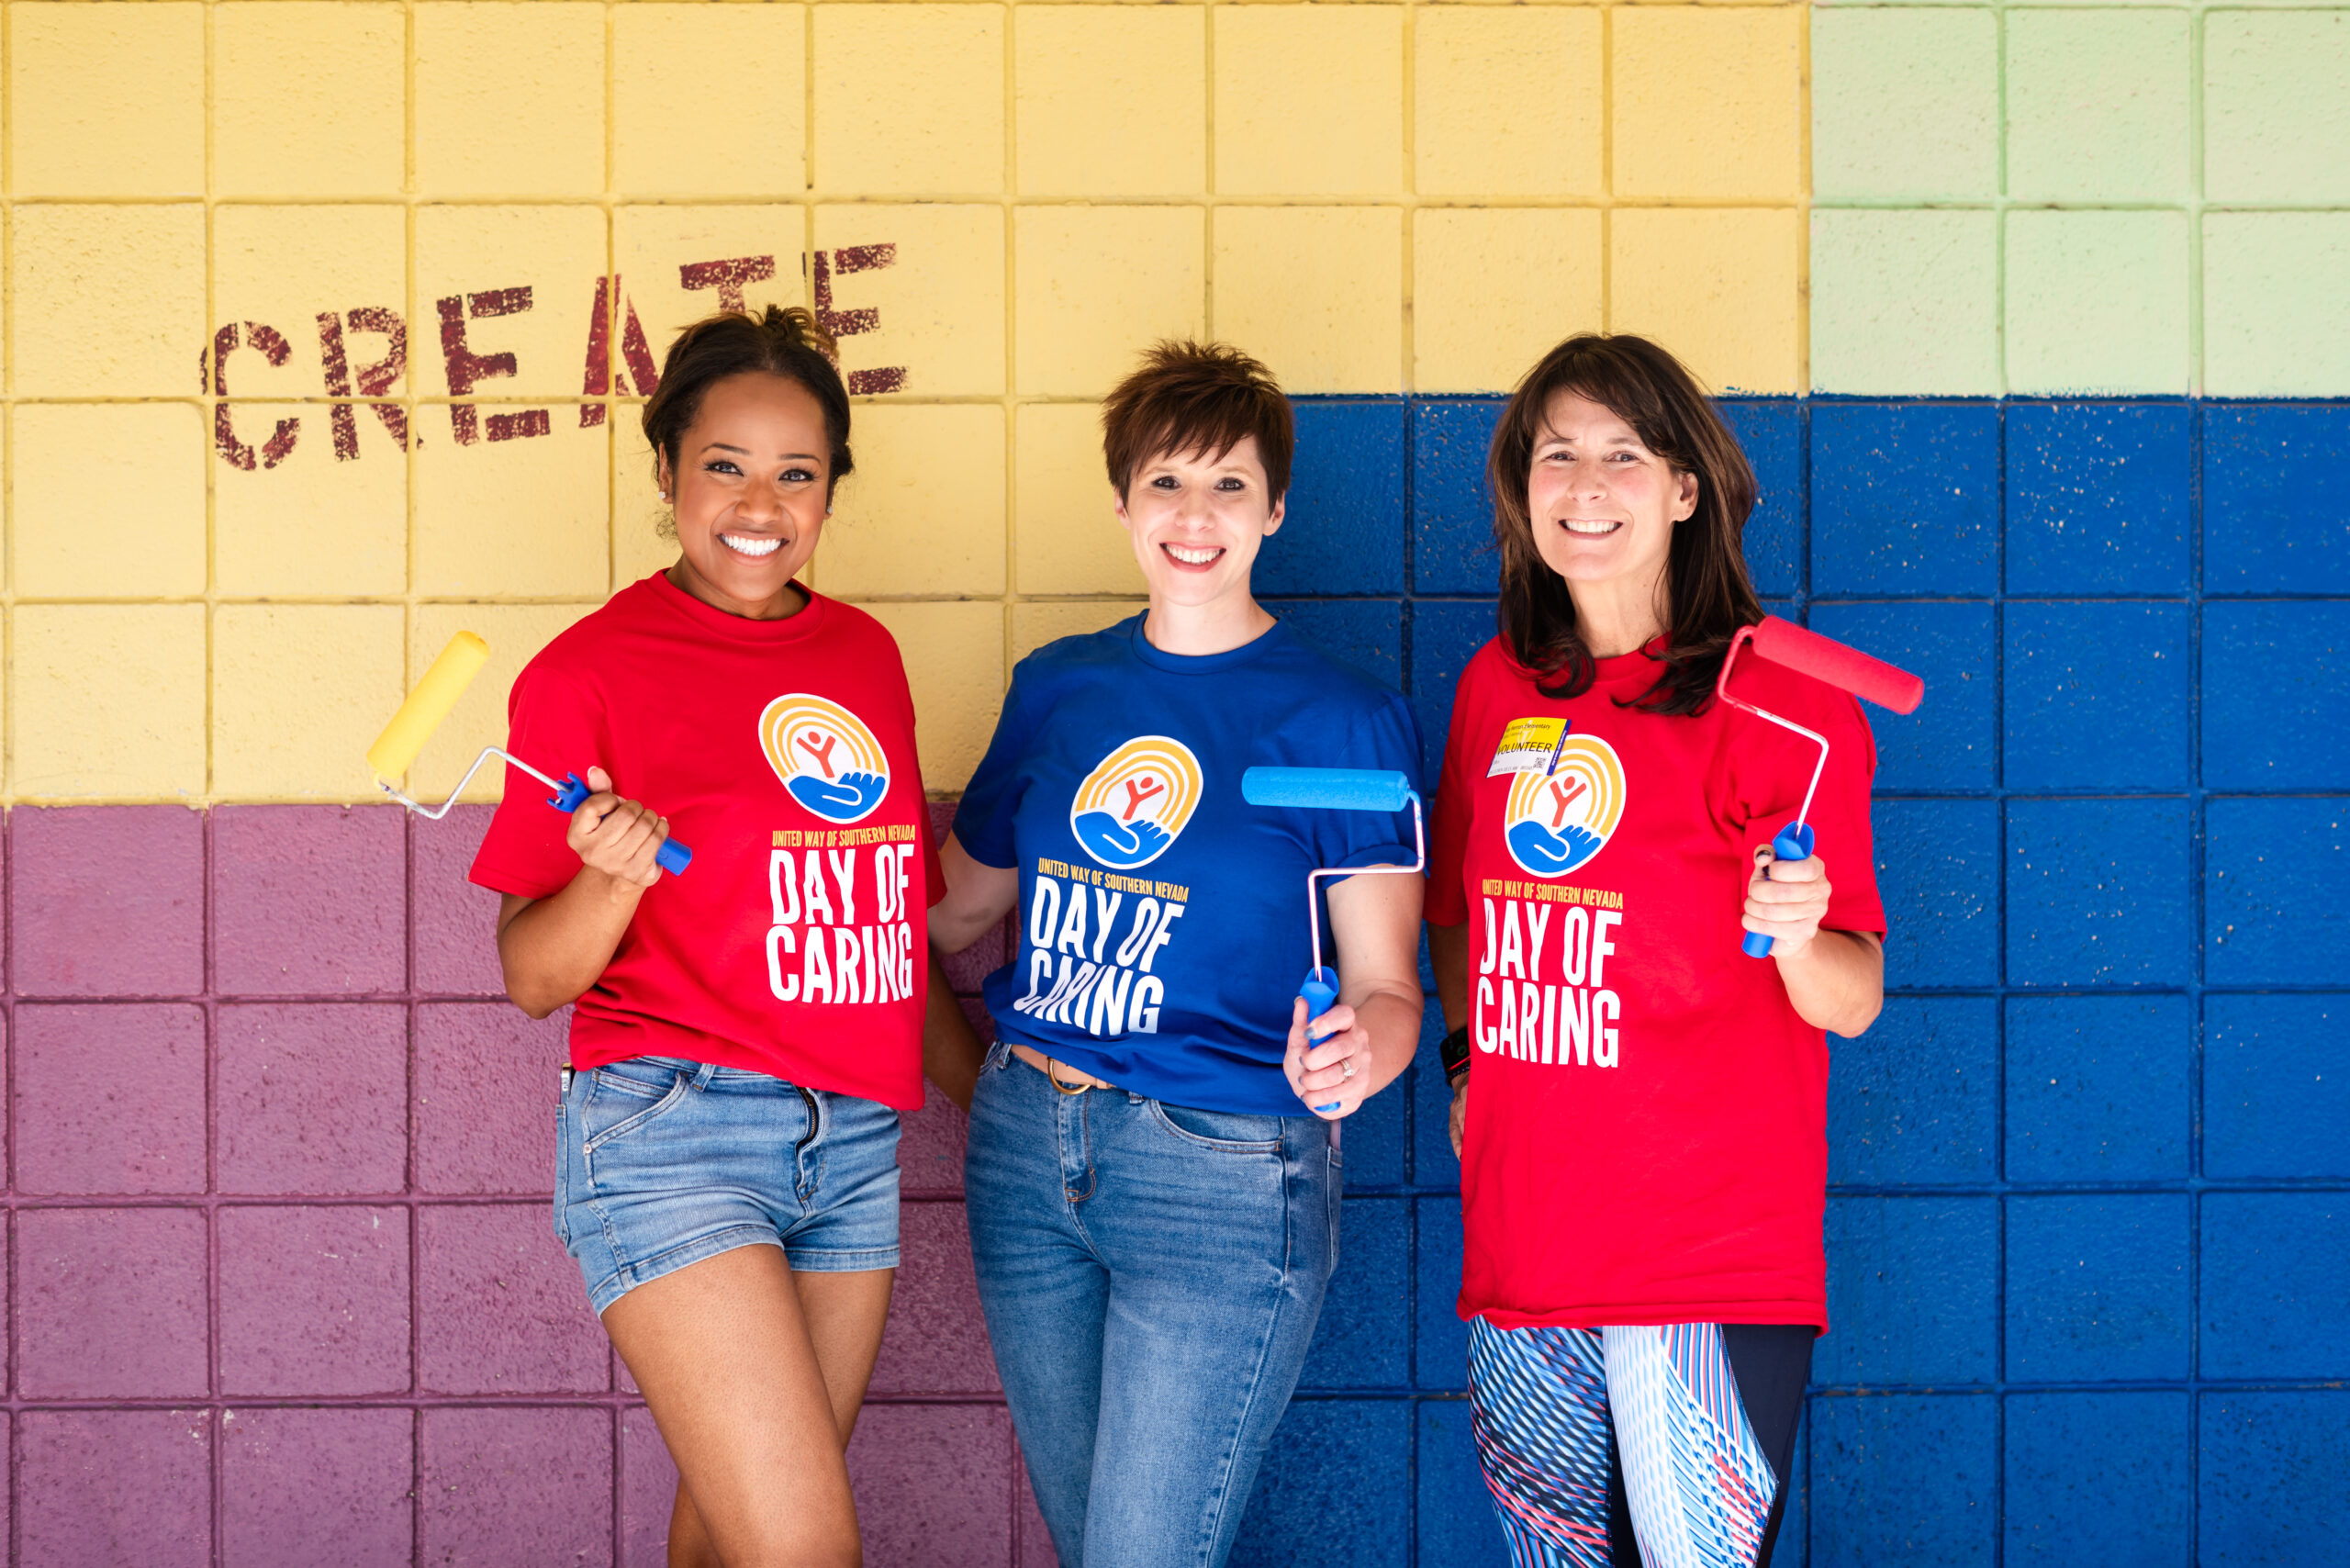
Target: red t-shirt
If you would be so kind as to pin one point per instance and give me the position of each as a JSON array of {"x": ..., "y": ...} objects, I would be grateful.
[
  {"x": 1647, "y": 1139},
  {"x": 782, "y": 752}
]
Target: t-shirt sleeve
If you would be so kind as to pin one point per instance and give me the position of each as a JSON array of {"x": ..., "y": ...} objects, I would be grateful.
[
  {"x": 555, "y": 724},
  {"x": 1385, "y": 740},
  {"x": 1448, "y": 900},
  {"x": 1770, "y": 792},
  {"x": 983, "y": 823}
]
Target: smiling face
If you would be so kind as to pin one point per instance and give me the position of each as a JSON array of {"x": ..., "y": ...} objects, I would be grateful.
[
  {"x": 1602, "y": 506},
  {"x": 1197, "y": 521},
  {"x": 750, "y": 486}
]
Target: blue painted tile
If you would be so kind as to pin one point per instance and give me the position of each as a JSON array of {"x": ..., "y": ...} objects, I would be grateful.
[
  {"x": 1365, "y": 633},
  {"x": 1364, "y": 1337},
  {"x": 1909, "y": 1293},
  {"x": 1439, "y": 1339},
  {"x": 1938, "y": 872},
  {"x": 2097, "y": 892},
  {"x": 1910, "y": 1479},
  {"x": 2277, "y": 1086},
  {"x": 1446, "y": 633},
  {"x": 2276, "y": 1281},
  {"x": 2276, "y": 694},
  {"x": 1343, "y": 529},
  {"x": 1791, "y": 1550},
  {"x": 1433, "y": 1167},
  {"x": 2098, "y": 498},
  {"x": 2098, "y": 1478},
  {"x": 1456, "y": 1527},
  {"x": 1905, "y": 498},
  {"x": 1951, "y": 740},
  {"x": 1335, "y": 1488},
  {"x": 2277, "y": 891},
  {"x": 1770, "y": 430},
  {"x": 2096, "y": 1287},
  {"x": 2097, "y": 1087},
  {"x": 2097, "y": 696},
  {"x": 1453, "y": 514},
  {"x": 2271, "y": 1491},
  {"x": 1915, "y": 1099},
  {"x": 1378, "y": 1143},
  {"x": 2276, "y": 498}
]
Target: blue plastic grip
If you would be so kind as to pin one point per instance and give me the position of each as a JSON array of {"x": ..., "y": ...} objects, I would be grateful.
[
  {"x": 1794, "y": 843},
  {"x": 1321, "y": 987},
  {"x": 672, "y": 857},
  {"x": 1326, "y": 788}
]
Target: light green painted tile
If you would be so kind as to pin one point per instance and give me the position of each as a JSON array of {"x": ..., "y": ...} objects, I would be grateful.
[
  {"x": 1905, "y": 302},
  {"x": 2097, "y": 302},
  {"x": 2098, "y": 106},
  {"x": 2277, "y": 105},
  {"x": 1905, "y": 105},
  {"x": 2276, "y": 314}
]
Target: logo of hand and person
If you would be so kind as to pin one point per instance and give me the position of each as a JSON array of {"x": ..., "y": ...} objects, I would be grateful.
[
  {"x": 1556, "y": 821},
  {"x": 825, "y": 757},
  {"x": 1133, "y": 804}
]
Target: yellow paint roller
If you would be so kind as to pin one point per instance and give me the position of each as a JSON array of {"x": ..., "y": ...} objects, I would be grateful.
[{"x": 430, "y": 704}]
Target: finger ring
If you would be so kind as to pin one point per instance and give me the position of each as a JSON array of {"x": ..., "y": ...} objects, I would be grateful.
[{"x": 1349, "y": 1069}]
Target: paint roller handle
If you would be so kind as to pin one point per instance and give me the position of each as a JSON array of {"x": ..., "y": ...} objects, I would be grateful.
[
  {"x": 1794, "y": 843},
  {"x": 672, "y": 857},
  {"x": 1321, "y": 994}
]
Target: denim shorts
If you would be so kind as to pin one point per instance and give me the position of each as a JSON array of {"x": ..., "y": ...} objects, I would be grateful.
[{"x": 663, "y": 1162}]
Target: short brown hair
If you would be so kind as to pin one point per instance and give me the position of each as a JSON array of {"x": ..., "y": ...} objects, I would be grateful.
[
  {"x": 1199, "y": 398},
  {"x": 776, "y": 341},
  {"x": 1708, "y": 596}
]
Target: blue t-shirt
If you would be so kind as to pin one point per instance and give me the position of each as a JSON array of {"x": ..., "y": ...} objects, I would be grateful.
[{"x": 1163, "y": 920}]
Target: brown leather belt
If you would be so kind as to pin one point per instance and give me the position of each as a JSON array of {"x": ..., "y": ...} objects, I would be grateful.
[{"x": 1065, "y": 1078}]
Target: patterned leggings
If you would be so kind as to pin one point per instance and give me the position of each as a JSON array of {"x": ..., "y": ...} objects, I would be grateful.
[{"x": 1555, "y": 1410}]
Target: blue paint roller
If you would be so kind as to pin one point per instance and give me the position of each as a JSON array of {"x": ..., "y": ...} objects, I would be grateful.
[{"x": 1334, "y": 790}]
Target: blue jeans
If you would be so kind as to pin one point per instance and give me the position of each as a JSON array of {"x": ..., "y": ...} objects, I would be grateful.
[{"x": 1151, "y": 1276}]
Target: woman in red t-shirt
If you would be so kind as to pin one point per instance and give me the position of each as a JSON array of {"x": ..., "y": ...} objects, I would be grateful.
[
  {"x": 744, "y": 1034},
  {"x": 1644, "y": 1158}
]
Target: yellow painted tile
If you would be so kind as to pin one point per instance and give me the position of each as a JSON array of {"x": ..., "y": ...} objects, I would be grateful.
[
  {"x": 1718, "y": 288},
  {"x": 109, "y": 500},
  {"x": 1066, "y": 537},
  {"x": 909, "y": 99},
  {"x": 107, "y": 99},
  {"x": 509, "y": 98},
  {"x": 524, "y": 518},
  {"x": 1096, "y": 284},
  {"x": 924, "y": 512},
  {"x": 309, "y": 98},
  {"x": 471, "y": 253},
  {"x": 933, "y": 278},
  {"x": 109, "y": 301},
  {"x": 954, "y": 654},
  {"x": 1507, "y": 102},
  {"x": 671, "y": 136},
  {"x": 299, "y": 690},
  {"x": 1315, "y": 292},
  {"x": 515, "y": 633},
  {"x": 1309, "y": 100},
  {"x": 1038, "y": 622},
  {"x": 1109, "y": 101},
  {"x": 107, "y": 701},
  {"x": 316, "y": 525},
  {"x": 658, "y": 249},
  {"x": 282, "y": 267},
  {"x": 1492, "y": 288},
  {"x": 1708, "y": 102},
  {"x": 638, "y": 549}
]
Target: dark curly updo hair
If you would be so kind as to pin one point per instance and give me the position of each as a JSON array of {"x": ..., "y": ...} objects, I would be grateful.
[{"x": 781, "y": 341}]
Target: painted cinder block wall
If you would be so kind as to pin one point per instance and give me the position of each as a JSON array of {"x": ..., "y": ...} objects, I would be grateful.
[{"x": 2033, "y": 321}]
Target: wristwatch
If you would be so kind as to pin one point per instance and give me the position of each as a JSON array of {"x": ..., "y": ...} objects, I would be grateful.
[{"x": 1455, "y": 1052}]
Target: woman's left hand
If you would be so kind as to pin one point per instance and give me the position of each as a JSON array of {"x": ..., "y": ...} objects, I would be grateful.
[
  {"x": 1334, "y": 1078},
  {"x": 1786, "y": 899}
]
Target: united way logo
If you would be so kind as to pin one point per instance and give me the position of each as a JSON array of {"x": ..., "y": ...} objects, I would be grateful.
[
  {"x": 1558, "y": 820},
  {"x": 1134, "y": 803},
  {"x": 824, "y": 756}
]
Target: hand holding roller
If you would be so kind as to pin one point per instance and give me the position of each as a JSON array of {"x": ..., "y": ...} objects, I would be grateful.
[{"x": 430, "y": 704}]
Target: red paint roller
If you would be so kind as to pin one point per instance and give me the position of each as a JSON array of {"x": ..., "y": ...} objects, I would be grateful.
[{"x": 1822, "y": 658}]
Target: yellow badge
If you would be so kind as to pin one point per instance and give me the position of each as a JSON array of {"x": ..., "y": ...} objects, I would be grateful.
[{"x": 1528, "y": 745}]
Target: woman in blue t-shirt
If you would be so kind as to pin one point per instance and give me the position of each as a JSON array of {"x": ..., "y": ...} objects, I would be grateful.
[{"x": 1154, "y": 1207}]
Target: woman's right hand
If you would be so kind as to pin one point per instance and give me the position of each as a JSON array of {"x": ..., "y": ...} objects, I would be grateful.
[
  {"x": 1460, "y": 1114},
  {"x": 617, "y": 837}
]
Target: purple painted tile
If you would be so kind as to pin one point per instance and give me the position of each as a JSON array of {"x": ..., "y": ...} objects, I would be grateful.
[
  {"x": 110, "y": 1099},
  {"x": 1032, "y": 1542},
  {"x": 107, "y": 901},
  {"x": 308, "y": 900},
  {"x": 313, "y": 1301},
  {"x": 299, "y": 1488},
  {"x": 313, "y": 1097},
  {"x": 455, "y": 924},
  {"x": 485, "y": 1097},
  {"x": 115, "y": 1486},
  {"x": 110, "y": 1303},
  {"x": 982, "y": 1022},
  {"x": 648, "y": 1490},
  {"x": 936, "y": 1341},
  {"x": 507, "y": 1486},
  {"x": 930, "y": 1148},
  {"x": 931, "y": 1482},
  {"x": 500, "y": 1307}
]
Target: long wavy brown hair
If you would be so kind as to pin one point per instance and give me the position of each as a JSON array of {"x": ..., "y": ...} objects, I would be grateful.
[{"x": 1708, "y": 596}]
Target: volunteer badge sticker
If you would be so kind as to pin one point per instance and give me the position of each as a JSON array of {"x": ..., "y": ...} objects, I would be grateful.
[
  {"x": 824, "y": 756},
  {"x": 1565, "y": 798},
  {"x": 1133, "y": 804}
]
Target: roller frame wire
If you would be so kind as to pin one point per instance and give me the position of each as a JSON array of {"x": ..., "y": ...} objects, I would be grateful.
[
  {"x": 434, "y": 814},
  {"x": 1721, "y": 690},
  {"x": 1313, "y": 902}
]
